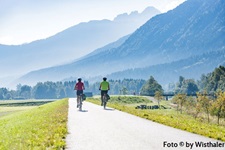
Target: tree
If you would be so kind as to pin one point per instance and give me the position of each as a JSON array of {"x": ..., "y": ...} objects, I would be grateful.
[
  {"x": 203, "y": 82},
  {"x": 190, "y": 104},
  {"x": 181, "y": 81},
  {"x": 1, "y": 96},
  {"x": 179, "y": 99},
  {"x": 186, "y": 86},
  {"x": 204, "y": 103},
  {"x": 39, "y": 91},
  {"x": 179, "y": 85},
  {"x": 62, "y": 93},
  {"x": 190, "y": 86},
  {"x": 8, "y": 96},
  {"x": 3, "y": 93},
  {"x": 218, "y": 107},
  {"x": 69, "y": 88},
  {"x": 150, "y": 87},
  {"x": 124, "y": 91},
  {"x": 45, "y": 90},
  {"x": 51, "y": 92},
  {"x": 171, "y": 87},
  {"x": 214, "y": 81},
  {"x": 25, "y": 91},
  {"x": 158, "y": 96}
]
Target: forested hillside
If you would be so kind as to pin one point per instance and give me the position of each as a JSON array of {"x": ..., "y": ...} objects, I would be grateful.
[
  {"x": 213, "y": 81},
  {"x": 209, "y": 83}
]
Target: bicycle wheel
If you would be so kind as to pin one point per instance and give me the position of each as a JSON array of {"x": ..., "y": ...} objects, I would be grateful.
[
  {"x": 80, "y": 103},
  {"x": 104, "y": 101}
]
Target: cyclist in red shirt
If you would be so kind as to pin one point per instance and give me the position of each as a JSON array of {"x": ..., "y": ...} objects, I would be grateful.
[{"x": 79, "y": 87}]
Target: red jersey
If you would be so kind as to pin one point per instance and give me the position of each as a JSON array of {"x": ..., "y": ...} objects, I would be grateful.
[{"x": 79, "y": 86}]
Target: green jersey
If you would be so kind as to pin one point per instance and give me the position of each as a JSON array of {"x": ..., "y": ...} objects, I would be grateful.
[{"x": 104, "y": 85}]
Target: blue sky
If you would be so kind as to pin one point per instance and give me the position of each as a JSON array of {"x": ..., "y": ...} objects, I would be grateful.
[{"x": 23, "y": 21}]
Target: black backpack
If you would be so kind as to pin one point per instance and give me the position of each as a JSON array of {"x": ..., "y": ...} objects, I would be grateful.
[{"x": 84, "y": 97}]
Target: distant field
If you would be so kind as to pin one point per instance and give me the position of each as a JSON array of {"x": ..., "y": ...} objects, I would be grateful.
[
  {"x": 29, "y": 102},
  {"x": 8, "y": 107}
]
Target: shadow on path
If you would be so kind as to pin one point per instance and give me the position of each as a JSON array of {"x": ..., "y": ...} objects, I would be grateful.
[
  {"x": 83, "y": 110},
  {"x": 109, "y": 109}
]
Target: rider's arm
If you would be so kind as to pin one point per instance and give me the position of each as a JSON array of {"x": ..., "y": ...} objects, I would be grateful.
[{"x": 75, "y": 87}]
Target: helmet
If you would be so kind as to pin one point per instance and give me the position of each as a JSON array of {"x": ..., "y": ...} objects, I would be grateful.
[
  {"x": 104, "y": 78},
  {"x": 79, "y": 79}
]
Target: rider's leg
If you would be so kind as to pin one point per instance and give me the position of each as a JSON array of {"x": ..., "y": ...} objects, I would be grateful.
[
  {"x": 78, "y": 98},
  {"x": 106, "y": 93},
  {"x": 79, "y": 93},
  {"x": 101, "y": 100}
]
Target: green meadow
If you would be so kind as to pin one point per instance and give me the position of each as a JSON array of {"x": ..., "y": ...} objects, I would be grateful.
[
  {"x": 44, "y": 126},
  {"x": 33, "y": 126},
  {"x": 167, "y": 116}
]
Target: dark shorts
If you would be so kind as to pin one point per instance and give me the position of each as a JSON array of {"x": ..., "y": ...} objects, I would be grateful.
[
  {"x": 104, "y": 92},
  {"x": 79, "y": 92}
]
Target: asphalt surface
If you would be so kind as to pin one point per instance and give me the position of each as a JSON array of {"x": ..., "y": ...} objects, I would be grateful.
[{"x": 97, "y": 129}]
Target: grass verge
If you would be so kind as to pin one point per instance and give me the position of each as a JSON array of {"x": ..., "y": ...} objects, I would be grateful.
[
  {"x": 171, "y": 118},
  {"x": 43, "y": 127}
]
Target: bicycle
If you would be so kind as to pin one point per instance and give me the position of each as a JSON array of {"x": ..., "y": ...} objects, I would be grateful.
[
  {"x": 104, "y": 100},
  {"x": 80, "y": 100}
]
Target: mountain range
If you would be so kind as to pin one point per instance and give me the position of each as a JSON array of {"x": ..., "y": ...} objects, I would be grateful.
[
  {"x": 190, "y": 68},
  {"x": 69, "y": 44},
  {"x": 189, "y": 38}
]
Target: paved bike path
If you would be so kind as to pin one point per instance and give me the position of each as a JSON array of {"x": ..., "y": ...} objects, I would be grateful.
[{"x": 97, "y": 129}]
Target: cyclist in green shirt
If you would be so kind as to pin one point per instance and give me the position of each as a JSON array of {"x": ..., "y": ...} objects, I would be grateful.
[{"x": 104, "y": 87}]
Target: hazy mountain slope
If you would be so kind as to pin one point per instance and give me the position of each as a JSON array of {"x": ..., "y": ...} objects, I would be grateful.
[
  {"x": 69, "y": 44},
  {"x": 193, "y": 28},
  {"x": 106, "y": 48},
  {"x": 79, "y": 67},
  {"x": 192, "y": 67}
]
